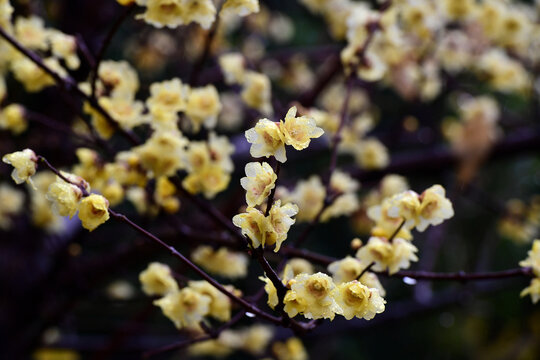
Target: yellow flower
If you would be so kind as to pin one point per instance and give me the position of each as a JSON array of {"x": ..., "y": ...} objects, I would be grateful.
[
  {"x": 533, "y": 258},
  {"x": 458, "y": 9},
  {"x": 222, "y": 261},
  {"x": 65, "y": 197},
  {"x": 203, "y": 107},
  {"x": 255, "y": 339},
  {"x": 126, "y": 112},
  {"x": 345, "y": 270},
  {"x": 253, "y": 225},
  {"x": 393, "y": 184},
  {"x": 114, "y": 192},
  {"x": 172, "y": 13},
  {"x": 185, "y": 308},
  {"x": 162, "y": 153},
  {"x": 271, "y": 291},
  {"x": 311, "y": 296},
  {"x": 120, "y": 77},
  {"x": 6, "y": 10},
  {"x": 309, "y": 196},
  {"x": 209, "y": 180},
  {"x": 12, "y": 118},
  {"x": 233, "y": 68},
  {"x": 164, "y": 195},
  {"x": 294, "y": 267},
  {"x": 406, "y": 206},
  {"x": 32, "y": 76},
  {"x": 298, "y": 131},
  {"x": 104, "y": 129},
  {"x": 257, "y": 92},
  {"x": 40, "y": 207},
  {"x": 24, "y": 163},
  {"x": 279, "y": 222},
  {"x": 370, "y": 154},
  {"x": 93, "y": 211},
  {"x": 357, "y": 300},
  {"x": 240, "y": 7},
  {"x": 266, "y": 140},
  {"x": 221, "y": 149},
  {"x": 292, "y": 349},
  {"x": 64, "y": 47},
  {"x": 202, "y": 12},
  {"x": 156, "y": 279},
  {"x": 220, "y": 304},
  {"x": 387, "y": 256},
  {"x": 533, "y": 290},
  {"x": 30, "y": 32},
  {"x": 169, "y": 96},
  {"x": 434, "y": 207},
  {"x": 259, "y": 181}
]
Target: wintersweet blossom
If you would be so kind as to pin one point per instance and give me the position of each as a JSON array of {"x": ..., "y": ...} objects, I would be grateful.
[
  {"x": 185, "y": 308},
  {"x": 385, "y": 255},
  {"x": 157, "y": 279},
  {"x": 164, "y": 195},
  {"x": 266, "y": 140},
  {"x": 65, "y": 197},
  {"x": 220, "y": 304},
  {"x": 298, "y": 131},
  {"x": 222, "y": 261},
  {"x": 162, "y": 153},
  {"x": 357, "y": 300},
  {"x": 209, "y": 180},
  {"x": 345, "y": 270},
  {"x": 533, "y": 258},
  {"x": 279, "y": 221},
  {"x": 259, "y": 181},
  {"x": 533, "y": 290},
  {"x": 240, "y": 7},
  {"x": 296, "y": 266},
  {"x": 203, "y": 107},
  {"x": 24, "y": 163},
  {"x": 93, "y": 211},
  {"x": 12, "y": 118},
  {"x": 233, "y": 68},
  {"x": 168, "y": 96},
  {"x": 172, "y": 13},
  {"x": 311, "y": 296},
  {"x": 120, "y": 77},
  {"x": 292, "y": 349},
  {"x": 257, "y": 92},
  {"x": 271, "y": 291},
  {"x": 434, "y": 207},
  {"x": 253, "y": 225}
]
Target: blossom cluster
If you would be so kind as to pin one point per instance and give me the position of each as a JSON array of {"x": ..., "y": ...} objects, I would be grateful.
[
  {"x": 67, "y": 195},
  {"x": 316, "y": 296},
  {"x": 186, "y": 307}
]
